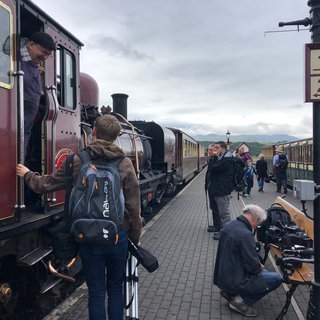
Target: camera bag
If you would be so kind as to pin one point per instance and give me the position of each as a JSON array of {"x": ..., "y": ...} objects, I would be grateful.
[{"x": 278, "y": 217}]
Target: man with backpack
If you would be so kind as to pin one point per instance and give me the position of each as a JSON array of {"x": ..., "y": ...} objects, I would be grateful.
[
  {"x": 280, "y": 164},
  {"x": 103, "y": 264}
]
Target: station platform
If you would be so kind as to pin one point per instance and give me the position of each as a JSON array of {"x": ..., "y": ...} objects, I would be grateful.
[{"x": 182, "y": 287}]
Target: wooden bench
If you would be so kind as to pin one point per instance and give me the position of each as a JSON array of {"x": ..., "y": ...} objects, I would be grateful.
[{"x": 302, "y": 275}]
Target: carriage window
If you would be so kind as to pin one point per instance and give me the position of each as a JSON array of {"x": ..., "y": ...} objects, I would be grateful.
[
  {"x": 5, "y": 46},
  {"x": 66, "y": 81}
]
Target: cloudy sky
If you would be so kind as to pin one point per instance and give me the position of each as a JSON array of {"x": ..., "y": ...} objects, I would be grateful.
[{"x": 204, "y": 66}]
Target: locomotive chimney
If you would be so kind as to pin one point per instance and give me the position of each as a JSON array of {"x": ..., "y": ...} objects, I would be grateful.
[{"x": 120, "y": 103}]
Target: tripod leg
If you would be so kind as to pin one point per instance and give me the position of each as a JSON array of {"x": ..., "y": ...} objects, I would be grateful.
[
  {"x": 135, "y": 280},
  {"x": 128, "y": 280}
]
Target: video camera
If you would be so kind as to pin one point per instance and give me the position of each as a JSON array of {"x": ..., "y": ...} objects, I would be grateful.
[
  {"x": 287, "y": 237},
  {"x": 293, "y": 258},
  {"x": 281, "y": 231}
]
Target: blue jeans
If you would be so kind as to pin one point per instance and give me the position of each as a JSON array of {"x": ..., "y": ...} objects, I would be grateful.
[
  {"x": 260, "y": 181},
  {"x": 273, "y": 280},
  {"x": 104, "y": 271}
]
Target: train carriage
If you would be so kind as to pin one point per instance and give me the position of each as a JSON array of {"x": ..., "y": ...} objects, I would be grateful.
[
  {"x": 186, "y": 157},
  {"x": 300, "y": 156}
]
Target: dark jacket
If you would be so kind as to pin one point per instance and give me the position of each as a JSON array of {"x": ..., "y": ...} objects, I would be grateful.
[
  {"x": 209, "y": 173},
  {"x": 262, "y": 168},
  {"x": 220, "y": 171},
  {"x": 31, "y": 82},
  {"x": 237, "y": 269},
  {"x": 130, "y": 185}
]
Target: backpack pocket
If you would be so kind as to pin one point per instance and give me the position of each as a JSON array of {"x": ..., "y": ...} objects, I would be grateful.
[{"x": 95, "y": 231}]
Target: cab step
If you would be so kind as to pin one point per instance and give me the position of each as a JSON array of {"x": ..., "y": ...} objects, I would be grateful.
[
  {"x": 33, "y": 257},
  {"x": 49, "y": 284}
]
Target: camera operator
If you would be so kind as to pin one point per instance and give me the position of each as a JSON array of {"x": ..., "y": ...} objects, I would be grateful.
[{"x": 238, "y": 271}]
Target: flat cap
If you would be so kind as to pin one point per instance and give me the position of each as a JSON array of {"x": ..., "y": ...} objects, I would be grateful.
[{"x": 43, "y": 39}]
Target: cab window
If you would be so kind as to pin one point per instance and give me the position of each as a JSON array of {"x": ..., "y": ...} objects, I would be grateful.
[
  {"x": 5, "y": 46},
  {"x": 66, "y": 80}
]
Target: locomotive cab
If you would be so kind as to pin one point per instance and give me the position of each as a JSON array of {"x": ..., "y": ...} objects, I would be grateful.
[{"x": 24, "y": 216}]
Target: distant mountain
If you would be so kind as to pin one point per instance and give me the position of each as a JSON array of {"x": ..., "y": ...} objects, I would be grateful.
[{"x": 266, "y": 139}]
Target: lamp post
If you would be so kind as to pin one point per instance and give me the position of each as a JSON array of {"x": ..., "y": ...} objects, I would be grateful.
[
  {"x": 314, "y": 301},
  {"x": 228, "y": 139}
]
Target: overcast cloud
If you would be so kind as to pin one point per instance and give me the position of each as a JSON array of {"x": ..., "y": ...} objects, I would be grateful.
[{"x": 203, "y": 66}]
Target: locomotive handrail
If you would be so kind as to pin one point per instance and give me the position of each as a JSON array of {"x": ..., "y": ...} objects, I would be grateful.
[
  {"x": 20, "y": 146},
  {"x": 53, "y": 91}
]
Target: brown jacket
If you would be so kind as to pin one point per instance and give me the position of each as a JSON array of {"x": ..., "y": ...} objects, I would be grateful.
[{"x": 130, "y": 185}]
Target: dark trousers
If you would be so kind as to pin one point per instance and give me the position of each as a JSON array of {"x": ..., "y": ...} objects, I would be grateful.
[
  {"x": 104, "y": 271},
  {"x": 30, "y": 112},
  {"x": 281, "y": 175},
  {"x": 217, "y": 224}
]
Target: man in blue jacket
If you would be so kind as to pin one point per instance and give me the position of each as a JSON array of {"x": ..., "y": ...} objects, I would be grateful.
[{"x": 238, "y": 271}]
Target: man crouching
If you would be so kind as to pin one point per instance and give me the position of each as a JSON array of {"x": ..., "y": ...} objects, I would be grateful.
[{"x": 243, "y": 280}]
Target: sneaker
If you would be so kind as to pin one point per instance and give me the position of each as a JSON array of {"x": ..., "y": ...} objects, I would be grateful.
[
  {"x": 213, "y": 229},
  {"x": 237, "y": 304},
  {"x": 216, "y": 236}
]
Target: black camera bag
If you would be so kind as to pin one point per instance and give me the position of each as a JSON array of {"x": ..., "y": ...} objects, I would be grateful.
[{"x": 276, "y": 216}]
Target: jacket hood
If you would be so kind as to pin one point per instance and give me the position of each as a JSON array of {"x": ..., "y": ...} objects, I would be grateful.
[{"x": 104, "y": 149}]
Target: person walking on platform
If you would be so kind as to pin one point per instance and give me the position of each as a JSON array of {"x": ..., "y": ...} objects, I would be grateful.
[
  {"x": 243, "y": 280},
  {"x": 213, "y": 205},
  {"x": 249, "y": 172},
  {"x": 261, "y": 171},
  {"x": 280, "y": 164},
  {"x": 103, "y": 265},
  {"x": 221, "y": 181}
]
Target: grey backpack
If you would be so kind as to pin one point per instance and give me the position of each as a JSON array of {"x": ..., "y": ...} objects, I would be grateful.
[{"x": 96, "y": 206}]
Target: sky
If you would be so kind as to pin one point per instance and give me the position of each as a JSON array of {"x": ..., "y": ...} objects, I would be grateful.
[{"x": 203, "y": 66}]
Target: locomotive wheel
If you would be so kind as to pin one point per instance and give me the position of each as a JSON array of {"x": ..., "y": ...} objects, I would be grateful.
[
  {"x": 171, "y": 185},
  {"x": 23, "y": 303}
]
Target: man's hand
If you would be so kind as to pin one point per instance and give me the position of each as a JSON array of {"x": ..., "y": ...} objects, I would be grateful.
[{"x": 21, "y": 170}]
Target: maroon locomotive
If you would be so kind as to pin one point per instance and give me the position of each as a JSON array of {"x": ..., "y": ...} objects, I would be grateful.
[{"x": 163, "y": 157}]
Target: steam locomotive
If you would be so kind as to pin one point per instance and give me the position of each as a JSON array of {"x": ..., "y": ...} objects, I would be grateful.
[{"x": 163, "y": 157}]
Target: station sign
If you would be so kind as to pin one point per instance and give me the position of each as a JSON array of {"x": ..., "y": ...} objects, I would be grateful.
[{"x": 312, "y": 72}]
